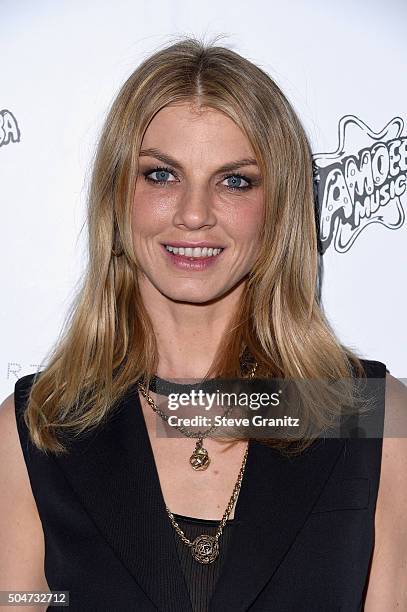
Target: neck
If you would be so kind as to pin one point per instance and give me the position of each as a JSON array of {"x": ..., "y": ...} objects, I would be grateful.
[{"x": 187, "y": 334}]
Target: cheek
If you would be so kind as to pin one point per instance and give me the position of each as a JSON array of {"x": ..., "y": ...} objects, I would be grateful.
[
  {"x": 149, "y": 214},
  {"x": 247, "y": 223}
]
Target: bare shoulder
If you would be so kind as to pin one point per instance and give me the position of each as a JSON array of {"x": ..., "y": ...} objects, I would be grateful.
[
  {"x": 22, "y": 550},
  {"x": 392, "y": 495},
  {"x": 12, "y": 465},
  {"x": 393, "y": 476},
  {"x": 387, "y": 585},
  {"x": 9, "y": 434},
  {"x": 395, "y": 408}
]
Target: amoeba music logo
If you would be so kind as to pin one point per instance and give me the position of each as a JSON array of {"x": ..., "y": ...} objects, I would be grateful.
[
  {"x": 362, "y": 182},
  {"x": 9, "y": 130}
]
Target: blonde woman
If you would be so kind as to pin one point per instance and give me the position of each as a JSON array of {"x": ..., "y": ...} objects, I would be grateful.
[{"x": 203, "y": 263}]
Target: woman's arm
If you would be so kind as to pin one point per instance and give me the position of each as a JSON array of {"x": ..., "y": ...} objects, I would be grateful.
[
  {"x": 387, "y": 584},
  {"x": 21, "y": 534}
]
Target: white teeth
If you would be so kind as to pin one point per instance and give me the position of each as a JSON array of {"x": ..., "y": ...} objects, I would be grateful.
[{"x": 194, "y": 252}]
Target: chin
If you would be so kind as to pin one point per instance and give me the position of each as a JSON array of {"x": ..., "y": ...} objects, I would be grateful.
[
  {"x": 190, "y": 298},
  {"x": 197, "y": 295}
]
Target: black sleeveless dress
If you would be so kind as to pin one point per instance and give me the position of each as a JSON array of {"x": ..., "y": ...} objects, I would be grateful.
[
  {"x": 301, "y": 539},
  {"x": 201, "y": 579}
]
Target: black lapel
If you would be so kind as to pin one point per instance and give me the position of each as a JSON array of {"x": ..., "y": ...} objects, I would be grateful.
[
  {"x": 113, "y": 472},
  {"x": 275, "y": 499}
]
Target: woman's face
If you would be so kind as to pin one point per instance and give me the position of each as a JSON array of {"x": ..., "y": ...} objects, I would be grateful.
[{"x": 198, "y": 205}]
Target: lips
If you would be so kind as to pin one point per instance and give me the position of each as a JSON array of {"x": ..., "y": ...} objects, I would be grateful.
[
  {"x": 192, "y": 258},
  {"x": 194, "y": 252}
]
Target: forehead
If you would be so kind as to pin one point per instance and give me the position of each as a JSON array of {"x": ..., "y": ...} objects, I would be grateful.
[{"x": 185, "y": 130}]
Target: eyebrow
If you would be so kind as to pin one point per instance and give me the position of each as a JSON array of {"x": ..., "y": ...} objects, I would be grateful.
[{"x": 167, "y": 159}]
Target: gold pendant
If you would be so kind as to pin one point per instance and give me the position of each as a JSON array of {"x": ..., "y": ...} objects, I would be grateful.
[
  {"x": 205, "y": 549},
  {"x": 199, "y": 459}
]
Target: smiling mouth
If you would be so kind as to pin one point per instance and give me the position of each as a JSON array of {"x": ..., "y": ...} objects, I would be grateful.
[{"x": 194, "y": 252}]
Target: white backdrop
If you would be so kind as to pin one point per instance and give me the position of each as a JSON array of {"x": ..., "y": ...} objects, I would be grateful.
[{"x": 64, "y": 61}]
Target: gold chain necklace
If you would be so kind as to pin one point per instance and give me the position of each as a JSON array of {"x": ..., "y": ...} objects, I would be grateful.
[
  {"x": 205, "y": 548},
  {"x": 199, "y": 460}
]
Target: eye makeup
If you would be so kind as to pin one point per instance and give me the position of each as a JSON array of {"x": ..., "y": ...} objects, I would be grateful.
[{"x": 234, "y": 175}]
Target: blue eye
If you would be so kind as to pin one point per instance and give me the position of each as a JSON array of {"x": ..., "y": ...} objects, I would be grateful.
[
  {"x": 236, "y": 182},
  {"x": 161, "y": 175}
]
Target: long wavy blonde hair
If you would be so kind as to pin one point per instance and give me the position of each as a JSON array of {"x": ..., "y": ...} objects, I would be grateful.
[{"x": 108, "y": 342}]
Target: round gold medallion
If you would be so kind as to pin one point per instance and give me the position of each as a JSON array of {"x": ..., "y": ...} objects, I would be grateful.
[
  {"x": 205, "y": 549},
  {"x": 199, "y": 459}
]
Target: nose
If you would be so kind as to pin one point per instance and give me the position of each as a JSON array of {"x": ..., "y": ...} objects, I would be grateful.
[{"x": 195, "y": 209}]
